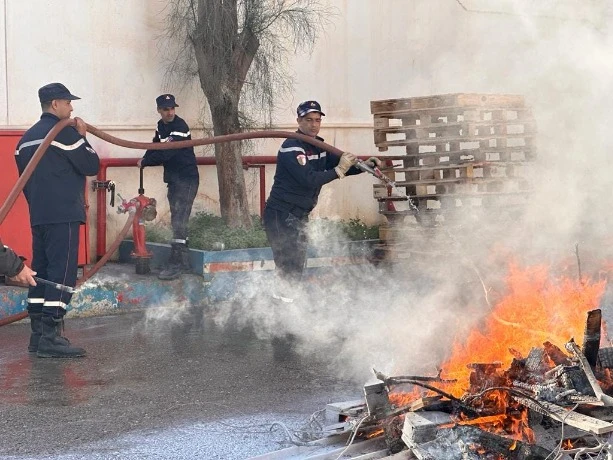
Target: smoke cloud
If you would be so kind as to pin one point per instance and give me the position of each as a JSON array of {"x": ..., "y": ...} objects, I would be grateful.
[{"x": 404, "y": 317}]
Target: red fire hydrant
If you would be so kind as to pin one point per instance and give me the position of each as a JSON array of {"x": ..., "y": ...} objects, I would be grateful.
[{"x": 144, "y": 211}]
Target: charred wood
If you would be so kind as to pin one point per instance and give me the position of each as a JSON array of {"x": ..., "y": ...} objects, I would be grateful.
[
  {"x": 535, "y": 362},
  {"x": 392, "y": 430},
  {"x": 587, "y": 369},
  {"x": 591, "y": 337},
  {"x": 573, "y": 378},
  {"x": 555, "y": 354},
  {"x": 485, "y": 375},
  {"x": 469, "y": 442},
  {"x": 605, "y": 358},
  {"x": 569, "y": 417},
  {"x": 400, "y": 379},
  {"x": 517, "y": 370}
]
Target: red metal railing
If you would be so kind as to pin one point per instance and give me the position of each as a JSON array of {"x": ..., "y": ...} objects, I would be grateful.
[{"x": 259, "y": 162}]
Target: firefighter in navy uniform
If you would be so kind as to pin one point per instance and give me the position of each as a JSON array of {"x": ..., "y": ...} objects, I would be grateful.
[
  {"x": 55, "y": 196},
  {"x": 302, "y": 169},
  {"x": 181, "y": 175}
]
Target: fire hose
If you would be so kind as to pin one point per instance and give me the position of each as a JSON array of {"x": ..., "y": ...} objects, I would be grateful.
[{"x": 42, "y": 148}]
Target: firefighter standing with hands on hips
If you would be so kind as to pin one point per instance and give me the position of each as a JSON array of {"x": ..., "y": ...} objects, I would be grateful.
[
  {"x": 181, "y": 175},
  {"x": 302, "y": 170},
  {"x": 55, "y": 193}
]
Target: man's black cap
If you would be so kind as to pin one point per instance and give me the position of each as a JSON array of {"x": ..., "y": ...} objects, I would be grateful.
[
  {"x": 54, "y": 91},
  {"x": 166, "y": 100},
  {"x": 308, "y": 107}
]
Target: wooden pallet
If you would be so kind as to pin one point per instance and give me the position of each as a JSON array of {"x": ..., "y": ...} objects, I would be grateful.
[
  {"x": 486, "y": 154},
  {"x": 457, "y": 132},
  {"x": 449, "y": 118},
  {"x": 442, "y": 144},
  {"x": 459, "y": 129},
  {"x": 442, "y": 203},
  {"x": 462, "y": 152},
  {"x": 461, "y": 100},
  {"x": 468, "y": 170}
]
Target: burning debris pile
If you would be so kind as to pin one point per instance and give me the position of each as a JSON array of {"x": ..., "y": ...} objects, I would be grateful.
[{"x": 546, "y": 402}]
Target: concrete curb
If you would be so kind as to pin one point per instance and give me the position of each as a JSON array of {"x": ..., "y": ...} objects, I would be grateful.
[
  {"x": 209, "y": 264},
  {"x": 217, "y": 277}
]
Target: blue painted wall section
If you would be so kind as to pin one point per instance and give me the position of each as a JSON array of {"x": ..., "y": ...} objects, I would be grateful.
[
  {"x": 209, "y": 264},
  {"x": 116, "y": 288},
  {"x": 219, "y": 276}
]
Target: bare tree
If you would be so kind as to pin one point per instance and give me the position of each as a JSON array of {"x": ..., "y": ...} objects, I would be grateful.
[{"x": 238, "y": 49}]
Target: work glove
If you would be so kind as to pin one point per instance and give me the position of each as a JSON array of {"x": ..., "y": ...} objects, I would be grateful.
[
  {"x": 374, "y": 162},
  {"x": 347, "y": 160}
]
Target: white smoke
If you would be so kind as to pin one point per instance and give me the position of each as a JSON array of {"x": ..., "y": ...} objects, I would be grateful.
[{"x": 402, "y": 318}]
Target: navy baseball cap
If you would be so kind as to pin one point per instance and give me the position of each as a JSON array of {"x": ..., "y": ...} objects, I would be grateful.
[
  {"x": 54, "y": 91},
  {"x": 308, "y": 107},
  {"x": 166, "y": 100}
]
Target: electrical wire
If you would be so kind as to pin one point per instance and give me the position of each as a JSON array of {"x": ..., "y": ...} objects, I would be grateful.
[
  {"x": 355, "y": 432},
  {"x": 290, "y": 435},
  {"x": 558, "y": 448},
  {"x": 313, "y": 430}
]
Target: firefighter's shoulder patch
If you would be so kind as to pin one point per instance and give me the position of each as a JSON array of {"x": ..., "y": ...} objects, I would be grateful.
[{"x": 302, "y": 160}]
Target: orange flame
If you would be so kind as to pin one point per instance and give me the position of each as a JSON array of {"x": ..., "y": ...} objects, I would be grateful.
[
  {"x": 535, "y": 310},
  {"x": 402, "y": 399},
  {"x": 567, "y": 444}
]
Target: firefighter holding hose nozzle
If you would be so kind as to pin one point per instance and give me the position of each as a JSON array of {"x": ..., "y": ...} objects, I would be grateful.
[{"x": 302, "y": 170}]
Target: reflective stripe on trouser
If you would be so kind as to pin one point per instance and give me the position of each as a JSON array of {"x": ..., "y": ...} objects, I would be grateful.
[
  {"x": 288, "y": 240},
  {"x": 55, "y": 249},
  {"x": 181, "y": 196}
]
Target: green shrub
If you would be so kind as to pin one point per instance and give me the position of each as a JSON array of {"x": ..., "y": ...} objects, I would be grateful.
[
  {"x": 205, "y": 230},
  {"x": 156, "y": 233}
]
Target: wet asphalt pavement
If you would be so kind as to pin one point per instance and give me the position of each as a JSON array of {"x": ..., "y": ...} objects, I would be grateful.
[{"x": 149, "y": 389}]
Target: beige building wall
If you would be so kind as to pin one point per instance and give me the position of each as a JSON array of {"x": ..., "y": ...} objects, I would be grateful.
[{"x": 555, "y": 52}]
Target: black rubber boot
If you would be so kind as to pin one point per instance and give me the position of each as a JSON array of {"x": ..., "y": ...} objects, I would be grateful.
[
  {"x": 36, "y": 326},
  {"x": 174, "y": 268},
  {"x": 186, "y": 266},
  {"x": 52, "y": 344}
]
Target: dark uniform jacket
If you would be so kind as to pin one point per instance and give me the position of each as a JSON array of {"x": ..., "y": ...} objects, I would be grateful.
[
  {"x": 10, "y": 263},
  {"x": 179, "y": 164},
  {"x": 55, "y": 191},
  {"x": 302, "y": 169}
]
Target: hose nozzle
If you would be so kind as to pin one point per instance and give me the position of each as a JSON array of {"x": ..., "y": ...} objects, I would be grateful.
[
  {"x": 58, "y": 286},
  {"x": 375, "y": 172}
]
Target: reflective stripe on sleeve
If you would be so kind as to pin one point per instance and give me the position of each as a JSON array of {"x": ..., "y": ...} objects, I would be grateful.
[
  {"x": 179, "y": 133},
  {"x": 317, "y": 157},
  {"x": 74, "y": 146},
  {"x": 29, "y": 144},
  {"x": 292, "y": 149}
]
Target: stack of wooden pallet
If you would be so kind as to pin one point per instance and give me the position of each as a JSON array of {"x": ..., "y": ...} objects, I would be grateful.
[{"x": 455, "y": 154}]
